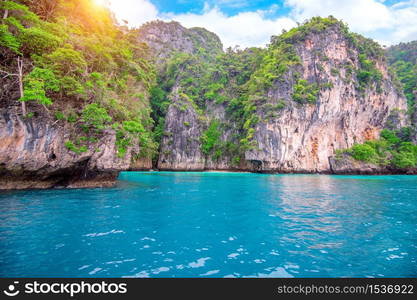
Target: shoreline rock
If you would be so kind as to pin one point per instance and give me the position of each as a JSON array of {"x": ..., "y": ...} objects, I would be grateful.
[
  {"x": 110, "y": 180},
  {"x": 33, "y": 155},
  {"x": 346, "y": 165}
]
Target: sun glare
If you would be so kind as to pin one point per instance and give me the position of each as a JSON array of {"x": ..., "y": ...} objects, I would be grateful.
[
  {"x": 114, "y": 5},
  {"x": 129, "y": 12},
  {"x": 120, "y": 8},
  {"x": 102, "y": 2}
]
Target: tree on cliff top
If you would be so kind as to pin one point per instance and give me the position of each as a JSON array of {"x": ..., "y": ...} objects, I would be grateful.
[{"x": 74, "y": 54}]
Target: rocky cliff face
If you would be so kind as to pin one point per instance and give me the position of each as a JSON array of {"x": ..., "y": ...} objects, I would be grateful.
[
  {"x": 181, "y": 144},
  {"x": 346, "y": 165},
  {"x": 33, "y": 155},
  {"x": 303, "y": 137},
  {"x": 165, "y": 39},
  {"x": 287, "y": 108},
  {"x": 296, "y": 137},
  {"x": 415, "y": 126},
  {"x": 185, "y": 122}
]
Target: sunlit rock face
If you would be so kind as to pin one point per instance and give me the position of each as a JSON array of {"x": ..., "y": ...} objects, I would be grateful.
[
  {"x": 302, "y": 137},
  {"x": 415, "y": 124},
  {"x": 296, "y": 138},
  {"x": 165, "y": 39},
  {"x": 181, "y": 147},
  {"x": 33, "y": 155}
]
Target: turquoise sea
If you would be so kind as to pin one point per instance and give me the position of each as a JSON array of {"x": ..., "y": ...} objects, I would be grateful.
[{"x": 214, "y": 225}]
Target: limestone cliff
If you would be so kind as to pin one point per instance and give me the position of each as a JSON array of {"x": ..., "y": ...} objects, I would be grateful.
[
  {"x": 287, "y": 108},
  {"x": 33, "y": 155},
  {"x": 181, "y": 138},
  {"x": 165, "y": 39},
  {"x": 346, "y": 165},
  {"x": 303, "y": 137},
  {"x": 74, "y": 107}
]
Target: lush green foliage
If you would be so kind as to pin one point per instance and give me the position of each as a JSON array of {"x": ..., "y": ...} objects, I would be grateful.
[
  {"x": 131, "y": 133},
  {"x": 277, "y": 61},
  {"x": 364, "y": 152},
  {"x": 393, "y": 149},
  {"x": 368, "y": 73},
  {"x": 407, "y": 74},
  {"x": 96, "y": 117},
  {"x": 403, "y": 60},
  {"x": 305, "y": 92},
  {"x": 38, "y": 83},
  {"x": 8, "y": 40},
  {"x": 210, "y": 139},
  {"x": 76, "y": 149},
  {"x": 87, "y": 70},
  {"x": 404, "y": 51},
  {"x": 159, "y": 106}
]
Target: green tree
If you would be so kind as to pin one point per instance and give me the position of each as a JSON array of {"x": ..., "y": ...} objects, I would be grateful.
[
  {"x": 94, "y": 116},
  {"x": 211, "y": 138},
  {"x": 37, "y": 84}
]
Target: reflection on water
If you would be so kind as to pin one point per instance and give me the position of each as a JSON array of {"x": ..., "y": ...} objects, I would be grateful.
[{"x": 214, "y": 225}]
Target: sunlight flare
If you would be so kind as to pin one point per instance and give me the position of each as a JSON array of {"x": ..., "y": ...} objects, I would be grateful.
[
  {"x": 102, "y": 2},
  {"x": 132, "y": 12}
]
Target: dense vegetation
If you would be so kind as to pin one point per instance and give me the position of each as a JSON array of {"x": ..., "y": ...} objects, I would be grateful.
[
  {"x": 203, "y": 78},
  {"x": 70, "y": 61},
  {"x": 81, "y": 68},
  {"x": 403, "y": 61},
  {"x": 240, "y": 80},
  {"x": 394, "y": 149}
]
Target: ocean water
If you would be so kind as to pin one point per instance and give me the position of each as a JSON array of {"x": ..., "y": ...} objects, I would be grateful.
[{"x": 214, "y": 225}]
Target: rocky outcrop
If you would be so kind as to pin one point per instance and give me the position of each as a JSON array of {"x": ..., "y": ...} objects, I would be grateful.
[
  {"x": 288, "y": 136},
  {"x": 33, "y": 155},
  {"x": 346, "y": 165},
  {"x": 303, "y": 137},
  {"x": 165, "y": 39},
  {"x": 299, "y": 137},
  {"x": 414, "y": 121},
  {"x": 181, "y": 147}
]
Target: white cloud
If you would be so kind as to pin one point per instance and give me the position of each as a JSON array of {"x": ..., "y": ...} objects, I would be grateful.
[
  {"x": 244, "y": 29},
  {"x": 365, "y": 15},
  {"x": 404, "y": 22},
  {"x": 373, "y": 18},
  {"x": 136, "y": 12}
]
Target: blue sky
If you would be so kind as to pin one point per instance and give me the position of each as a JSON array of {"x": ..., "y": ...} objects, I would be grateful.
[
  {"x": 252, "y": 22},
  {"x": 231, "y": 7}
]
